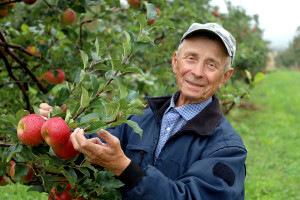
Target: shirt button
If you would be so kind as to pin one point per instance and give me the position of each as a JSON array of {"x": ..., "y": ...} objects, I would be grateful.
[{"x": 168, "y": 129}]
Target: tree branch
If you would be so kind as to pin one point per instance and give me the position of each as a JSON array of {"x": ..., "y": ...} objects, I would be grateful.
[
  {"x": 8, "y": 2},
  {"x": 21, "y": 86},
  {"x": 21, "y": 62}
]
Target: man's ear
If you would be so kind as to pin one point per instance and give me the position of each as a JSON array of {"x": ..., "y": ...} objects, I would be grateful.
[
  {"x": 226, "y": 77},
  {"x": 174, "y": 62}
]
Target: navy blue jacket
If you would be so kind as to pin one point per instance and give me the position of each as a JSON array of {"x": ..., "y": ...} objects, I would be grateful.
[{"x": 205, "y": 160}]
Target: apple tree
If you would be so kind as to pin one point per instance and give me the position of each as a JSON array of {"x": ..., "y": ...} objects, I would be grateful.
[
  {"x": 75, "y": 62},
  {"x": 94, "y": 61}
]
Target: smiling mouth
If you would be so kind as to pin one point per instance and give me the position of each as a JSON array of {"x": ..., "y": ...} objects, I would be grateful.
[{"x": 193, "y": 84}]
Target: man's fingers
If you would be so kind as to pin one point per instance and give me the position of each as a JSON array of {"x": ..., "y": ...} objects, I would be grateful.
[
  {"x": 82, "y": 144},
  {"x": 108, "y": 138},
  {"x": 45, "y": 106},
  {"x": 97, "y": 140},
  {"x": 44, "y": 110}
]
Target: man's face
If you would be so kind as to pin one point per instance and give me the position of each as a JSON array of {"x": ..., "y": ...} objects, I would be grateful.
[{"x": 200, "y": 69}]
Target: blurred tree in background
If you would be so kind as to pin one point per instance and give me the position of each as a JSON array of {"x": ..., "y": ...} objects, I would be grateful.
[{"x": 290, "y": 58}]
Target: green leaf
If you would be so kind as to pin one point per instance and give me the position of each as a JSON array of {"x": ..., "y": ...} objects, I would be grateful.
[
  {"x": 258, "y": 77},
  {"x": 111, "y": 110},
  {"x": 95, "y": 126},
  {"x": 48, "y": 181},
  {"x": 128, "y": 38},
  {"x": 36, "y": 188},
  {"x": 89, "y": 117},
  {"x": 133, "y": 69},
  {"x": 144, "y": 38},
  {"x": 73, "y": 106},
  {"x": 132, "y": 94},
  {"x": 57, "y": 112},
  {"x": 9, "y": 119},
  {"x": 36, "y": 110},
  {"x": 135, "y": 127},
  {"x": 138, "y": 46},
  {"x": 249, "y": 76},
  {"x": 79, "y": 75},
  {"x": 151, "y": 11},
  {"x": 126, "y": 48},
  {"x": 97, "y": 47},
  {"x": 122, "y": 90},
  {"x": 25, "y": 28},
  {"x": 95, "y": 83},
  {"x": 142, "y": 20},
  {"x": 166, "y": 23},
  {"x": 70, "y": 175},
  {"x": 21, "y": 171},
  {"x": 85, "y": 58},
  {"x": 63, "y": 94},
  {"x": 21, "y": 113},
  {"x": 13, "y": 150},
  {"x": 85, "y": 99},
  {"x": 102, "y": 48}
]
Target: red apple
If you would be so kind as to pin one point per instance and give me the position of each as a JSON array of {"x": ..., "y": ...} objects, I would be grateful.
[
  {"x": 8, "y": 6},
  {"x": 50, "y": 78},
  {"x": 63, "y": 195},
  {"x": 153, "y": 20},
  {"x": 68, "y": 17},
  {"x": 216, "y": 13},
  {"x": 1, "y": 177},
  {"x": 3, "y": 13},
  {"x": 33, "y": 50},
  {"x": 4, "y": 180},
  {"x": 29, "y": 2},
  {"x": 29, "y": 130},
  {"x": 24, "y": 179},
  {"x": 134, "y": 3},
  {"x": 60, "y": 196},
  {"x": 55, "y": 132},
  {"x": 66, "y": 152}
]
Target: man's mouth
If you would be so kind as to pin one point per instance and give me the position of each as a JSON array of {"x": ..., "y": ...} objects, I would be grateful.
[{"x": 193, "y": 84}]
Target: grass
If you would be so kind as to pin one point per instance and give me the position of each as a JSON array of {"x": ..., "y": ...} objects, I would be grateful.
[
  {"x": 270, "y": 128},
  {"x": 19, "y": 192}
]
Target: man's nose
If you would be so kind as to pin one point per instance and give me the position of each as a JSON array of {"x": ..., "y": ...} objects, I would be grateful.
[{"x": 198, "y": 70}]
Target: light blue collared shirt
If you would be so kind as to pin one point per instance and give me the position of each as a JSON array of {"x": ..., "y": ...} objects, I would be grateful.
[{"x": 176, "y": 117}]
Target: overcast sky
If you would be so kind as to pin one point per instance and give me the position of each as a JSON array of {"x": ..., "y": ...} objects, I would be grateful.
[{"x": 278, "y": 18}]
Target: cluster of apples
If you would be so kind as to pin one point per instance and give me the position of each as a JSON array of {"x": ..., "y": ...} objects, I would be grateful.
[
  {"x": 33, "y": 130},
  {"x": 4, "y": 9},
  {"x": 64, "y": 195},
  {"x": 137, "y": 3}
]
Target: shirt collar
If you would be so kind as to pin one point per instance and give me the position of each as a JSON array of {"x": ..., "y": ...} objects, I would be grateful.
[{"x": 187, "y": 111}]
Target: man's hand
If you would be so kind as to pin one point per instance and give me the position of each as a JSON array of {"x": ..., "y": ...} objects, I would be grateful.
[
  {"x": 109, "y": 155},
  {"x": 44, "y": 110}
]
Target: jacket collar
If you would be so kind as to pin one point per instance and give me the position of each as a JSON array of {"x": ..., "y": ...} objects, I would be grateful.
[{"x": 202, "y": 124}]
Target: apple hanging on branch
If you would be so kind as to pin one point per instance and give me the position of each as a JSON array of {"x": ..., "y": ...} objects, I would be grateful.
[
  {"x": 93, "y": 102},
  {"x": 29, "y": 130}
]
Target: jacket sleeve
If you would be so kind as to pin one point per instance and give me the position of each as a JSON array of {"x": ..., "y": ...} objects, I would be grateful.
[{"x": 220, "y": 175}]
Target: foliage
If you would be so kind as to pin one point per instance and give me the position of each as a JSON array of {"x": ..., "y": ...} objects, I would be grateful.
[
  {"x": 268, "y": 124},
  {"x": 290, "y": 58},
  {"x": 112, "y": 59}
]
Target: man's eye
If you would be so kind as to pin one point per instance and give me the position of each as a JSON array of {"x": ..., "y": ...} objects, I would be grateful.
[{"x": 191, "y": 58}]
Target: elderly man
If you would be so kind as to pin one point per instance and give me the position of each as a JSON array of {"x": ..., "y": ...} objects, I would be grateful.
[{"x": 188, "y": 149}]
